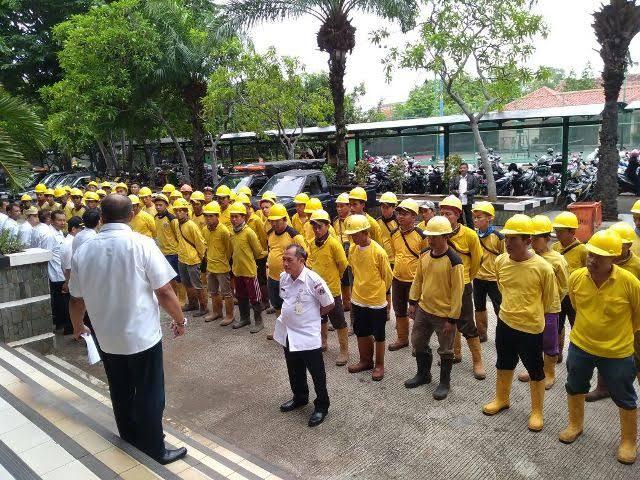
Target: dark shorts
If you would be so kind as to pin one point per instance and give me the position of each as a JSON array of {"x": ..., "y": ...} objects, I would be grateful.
[
  {"x": 347, "y": 278},
  {"x": 261, "y": 263},
  {"x": 336, "y": 315},
  {"x": 400, "y": 296},
  {"x": 566, "y": 312},
  {"x": 482, "y": 289},
  {"x": 369, "y": 321},
  {"x": 173, "y": 261},
  {"x": 466, "y": 324},
  {"x": 512, "y": 344},
  {"x": 190, "y": 275},
  {"x": 247, "y": 287},
  {"x": 273, "y": 289}
]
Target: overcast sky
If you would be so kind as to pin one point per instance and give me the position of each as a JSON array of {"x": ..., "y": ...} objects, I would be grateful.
[{"x": 570, "y": 45}]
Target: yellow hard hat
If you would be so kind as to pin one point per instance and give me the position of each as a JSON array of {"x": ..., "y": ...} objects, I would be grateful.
[
  {"x": 312, "y": 205},
  {"x": 451, "y": 201},
  {"x": 40, "y": 188},
  {"x": 168, "y": 189},
  {"x": 223, "y": 191},
  {"x": 122, "y": 185},
  {"x": 269, "y": 196},
  {"x": 175, "y": 194},
  {"x": 50, "y": 191},
  {"x": 244, "y": 189},
  {"x": 163, "y": 197},
  {"x": 31, "y": 211},
  {"x": 636, "y": 207},
  {"x": 409, "y": 204},
  {"x": 75, "y": 192},
  {"x": 485, "y": 207},
  {"x": 93, "y": 183},
  {"x": 181, "y": 203},
  {"x": 134, "y": 199},
  {"x": 389, "y": 197},
  {"x": 605, "y": 243},
  {"x": 320, "y": 216},
  {"x": 101, "y": 192},
  {"x": 343, "y": 198},
  {"x": 67, "y": 188},
  {"x": 626, "y": 231},
  {"x": 519, "y": 224},
  {"x": 186, "y": 188},
  {"x": 301, "y": 198},
  {"x": 233, "y": 196},
  {"x": 358, "y": 193},
  {"x": 144, "y": 192},
  {"x": 197, "y": 196},
  {"x": 542, "y": 225},
  {"x": 211, "y": 208},
  {"x": 91, "y": 196},
  {"x": 243, "y": 198},
  {"x": 25, "y": 198},
  {"x": 565, "y": 220},
  {"x": 106, "y": 184},
  {"x": 59, "y": 192},
  {"x": 356, "y": 223},
  {"x": 237, "y": 208},
  {"x": 277, "y": 211},
  {"x": 438, "y": 225}
]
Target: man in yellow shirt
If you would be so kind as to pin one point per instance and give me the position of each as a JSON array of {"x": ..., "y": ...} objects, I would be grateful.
[
  {"x": 635, "y": 210},
  {"x": 435, "y": 301},
  {"x": 208, "y": 194},
  {"x": 357, "y": 204},
  {"x": 40, "y": 190},
  {"x": 50, "y": 203},
  {"x": 427, "y": 212},
  {"x": 327, "y": 259},
  {"x": 267, "y": 200},
  {"x": 246, "y": 250},
  {"x": 218, "y": 240},
  {"x": 257, "y": 225},
  {"x": 92, "y": 186},
  {"x": 75, "y": 209},
  {"x": 406, "y": 242},
  {"x": 300, "y": 217},
  {"x": 146, "y": 198},
  {"x": 91, "y": 200},
  {"x": 607, "y": 302},
  {"x": 106, "y": 186},
  {"x": 575, "y": 253},
  {"x": 388, "y": 222},
  {"x": 339, "y": 225},
  {"x": 142, "y": 222},
  {"x": 528, "y": 288},
  {"x": 167, "y": 240},
  {"x": 191, "y": 250},
  {"x": 186, "y": 192},
  {"x": 197, "y": 202},
  {"x": 371, "y": 279},
  {"x": 122, "y": 189},
  {"x": 223, "y": 197},
  {"x": 467, "y": 244},
  {"x": 484, "y": 284}
]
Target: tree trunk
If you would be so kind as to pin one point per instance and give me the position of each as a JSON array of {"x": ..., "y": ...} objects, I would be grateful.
[
  {"x": 214, "y": 157},
  {"x": 492, "y": 195},
  {"x": 337, "y": 67},
  {"x": 176, "y": 144},
  {"x": 197, "y": 140},
  {"x": 148, "y": 154},
  {"x": 110, "y": 164},
  {"x": 123, "y": 149}
]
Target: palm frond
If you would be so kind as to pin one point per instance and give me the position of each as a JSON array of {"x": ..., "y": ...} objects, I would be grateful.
[
  {"x": 252, "y": 12},
  {"x": 404, "y": 11}
]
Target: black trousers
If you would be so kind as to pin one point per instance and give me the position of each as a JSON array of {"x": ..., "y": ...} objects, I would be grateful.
[
  {"x": 136, "y": 384},
  {"x": 297, "y": 365},
  {"x": 59, "y": 305},
  {"x": 566, "y": 312},
  {"x": 512, "y": 344},
  {"x": 468, "y": 216},
  {"x": 482, "y": 289}
]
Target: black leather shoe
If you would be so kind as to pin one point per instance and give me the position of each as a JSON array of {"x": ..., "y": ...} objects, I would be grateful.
[
  {"x": 292, "y": 405},
  {"x": 316, "y": 418},
  {"x": 172, "y": 455}
]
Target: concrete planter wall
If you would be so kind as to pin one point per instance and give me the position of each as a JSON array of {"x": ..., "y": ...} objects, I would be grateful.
[{"x": 25, "y": 305}]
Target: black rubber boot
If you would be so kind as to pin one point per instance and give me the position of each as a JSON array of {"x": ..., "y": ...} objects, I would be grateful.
[
  {"x": 423, "y": 360},
  {"x": 445, "y": 379},
  {"x": 257, "y": 318},
  {"x": 245, "y": 309}
]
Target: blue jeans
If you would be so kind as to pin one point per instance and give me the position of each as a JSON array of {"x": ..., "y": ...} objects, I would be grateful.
[
  {"x": 618, "y": 375},
  {"x": 273, "y": 289},
  {"x": 173, "y": 261}
]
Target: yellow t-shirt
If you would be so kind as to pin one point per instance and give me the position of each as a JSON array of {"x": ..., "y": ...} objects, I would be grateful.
[
  {"x": 191, "y": 246},
  {"x": 407, "y": 247},
  {"x": 606, "y": 317},
  {"x": 151, "y": 210},
  {"x": 371, "y": 275},
  {"x": 339, "y": 226},
  {"x": 297, "y": 223},
  {"x": 561, "y": 272},
  {"x": 329, "y": 261},
  {"x": 277, "y": 243},
  {"x": 575, "y": 254},
  {"x": 166, "y": 235},
  {"x": 144, "y": 224},
  {"x": 257, "y": 226},
  {"x": 528, "y": 291},
  {"x": 246, "y": 250},
  {"x": 631, "y": 264},
  {"x": 467, "y": 244},
  {"x": 374, "y": 230},
  {"x": 635, "y": 246},
  {"x": 438, "y": 284},
  {"x": 492, "y": 246},
  {"x": 218, "y": 243},
  {"x": 70, "y": 211},
  {"x": 387, "y": 228}
]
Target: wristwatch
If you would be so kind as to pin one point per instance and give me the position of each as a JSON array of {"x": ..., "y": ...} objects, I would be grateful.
[{"x": 183, "y": 324}]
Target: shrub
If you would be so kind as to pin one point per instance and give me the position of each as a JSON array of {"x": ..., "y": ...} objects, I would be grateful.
[
  {"x": 452, "y": 166},
  {"x": 329, "y": 173},
  {"x": 9, "y": 243},
  {"x": 362, "y": 172}
]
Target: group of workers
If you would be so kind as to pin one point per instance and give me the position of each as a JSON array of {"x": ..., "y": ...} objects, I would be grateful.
[{"x": 422, "y": 261}]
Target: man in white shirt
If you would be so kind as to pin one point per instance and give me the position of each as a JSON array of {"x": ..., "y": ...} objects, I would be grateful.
[
  {"x": 59, "y": 297},
  {"x": 126, "y": 319},
  {"x": 11, "y": 223},
  {"x": 74, "y": 227},
  {"x": 25, "y": 229},
  {"x": 42, "y": 229},
  {"x": 3, "y": 218},
  {"x": 465, "y": 186},
  {"x": 306, "y": 298}
]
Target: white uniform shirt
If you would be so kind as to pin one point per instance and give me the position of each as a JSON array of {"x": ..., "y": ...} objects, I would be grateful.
[
  {"x": 300, "y": 318},
  {"x": 81, "y": 237},
  {"x": 38, "y": 235},
  {"x": 66, "y": 252},
  {"x": 116, "y": 273},
  {"x": 53, "y": 242},
  {"x": 24, "y": 233},
  {"x": 462, "y": 190},
  {"x": 11, "y": 226},
  {"x": 3, "y": 218}
]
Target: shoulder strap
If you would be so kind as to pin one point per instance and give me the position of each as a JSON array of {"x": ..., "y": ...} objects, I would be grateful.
[
  {"x": 407, "y": 244},
  {"x": 452, "y": 245},
  {"x": 488, "y": 249},
  {"x": 185, "y": 238},
  {"x": 570, "y": 247}
]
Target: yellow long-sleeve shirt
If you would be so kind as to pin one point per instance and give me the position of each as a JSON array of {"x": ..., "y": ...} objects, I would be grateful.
[
  {"x": 166, "y": 234},
  {"x": 528, "y": 291},
  {"x": 277, "y": 243},
  {"x": 151, "y": 210},
  {"x": 575, "y": 254},
  {"x": 467, "y": 244},
  {"x": 199, "y": 220},
  {"x": 339, "y": 226},
  {"x": 374, "y": 230},
  {"x": 371, "y": 275},
  {"x": 246, "y": 250},
  {"x": 329, "y": 261},
  {"x": 635, "y": 246},
  {"x": 606, "y": 317},
  {"x": 631, "y": 264},
  {"x": 388, "y": 227},
  {"x": 257, "y": 226},
  {"x": 438, "y": 285},
  {"x": 407, "y": 247},
  {"x": 561, "y": 272},
  {"x": 219, "y": 252},
  {"x": 225, "y": 218},
  {"x": 310, "y": 236},
  {"x": 144, "y": 224},
  {"x": 492, "y": 246},
  {"x": 71, "y": 211},
  {"x": 191, "y": 246},
  {"x": 298, "y": 223}
]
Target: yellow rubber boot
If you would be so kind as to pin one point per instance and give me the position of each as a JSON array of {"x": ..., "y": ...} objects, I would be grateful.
[
  {"x": 575, "y": 404},
  {"x": 346, "y": 299},
  {"x": 503, "y": 393},
  {"x": 402, "y": 327},
  {"x": 457, "y": 347},
  {"x": 343, "y": 339},
  {"x": 628, "y": 451},
  {"x": 228, "y": 309},
  {"x": 481, "y": 323},
  {"x": 549, "y": 371},
  {"x": 536, "y": 417},
  {"x": 182, "y": 294},
  {"x": 479, "y": 372},
  {"x": 560, "y": 346}
]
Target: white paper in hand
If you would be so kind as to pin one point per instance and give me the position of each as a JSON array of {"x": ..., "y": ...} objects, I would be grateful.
[{"x": 92, "y": 350}]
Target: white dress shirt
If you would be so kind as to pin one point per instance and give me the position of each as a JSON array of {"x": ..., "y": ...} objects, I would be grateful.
[
  {"x": 11, "y": 226},
  {"x": 116, "y": 273},
  {"x": 81, "y": 237},
  {"x": 462, "y": 190},
  {"x": 53, "y": 242},
  {"x": 24, "y": 233},
  {"x": 299, "y": 320},
  {"x": 3, "y": 218},
  {"x": 66, "y": 252},
  {"x": 38, "y": 235}
]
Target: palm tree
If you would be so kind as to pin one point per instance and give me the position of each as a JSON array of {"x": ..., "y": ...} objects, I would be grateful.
[
  {"x": 336, "y": 37},
  {"x": 615, "y": 26},
  {"x": 21, "y": 134}
]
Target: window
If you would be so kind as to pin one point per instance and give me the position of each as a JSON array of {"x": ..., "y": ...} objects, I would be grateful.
[{"x": 312, "y": 185}]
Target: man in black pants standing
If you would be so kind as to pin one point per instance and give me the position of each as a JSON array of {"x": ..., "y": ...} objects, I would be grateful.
[
  {"x": 465, "y": 186},
  {"x": 127, "y": 321}
]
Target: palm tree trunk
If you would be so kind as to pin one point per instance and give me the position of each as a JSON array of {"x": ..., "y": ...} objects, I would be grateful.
[
  {"x": 197, "y": 139},
  {"x": 492, "y": 194},
  {"x": 337, "y": 67}
]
